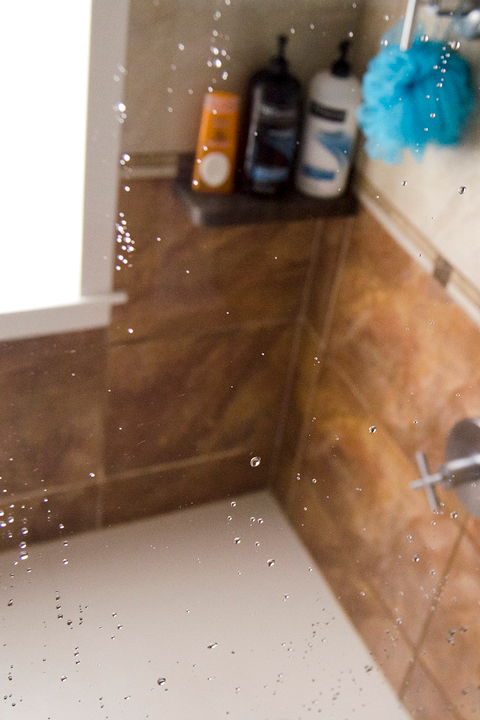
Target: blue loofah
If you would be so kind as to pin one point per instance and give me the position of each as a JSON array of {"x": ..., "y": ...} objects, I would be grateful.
[{"x": 414, "y": 97}]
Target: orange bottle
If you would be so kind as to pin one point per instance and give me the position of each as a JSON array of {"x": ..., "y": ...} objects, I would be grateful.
[{"x": 214, "y": 168}]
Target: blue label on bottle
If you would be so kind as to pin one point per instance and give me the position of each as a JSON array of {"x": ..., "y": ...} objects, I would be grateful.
[
  {"x": 282, "y": 140},
  {"x": 317, "y": 174},
  {"x": 338, "y": 144},
  {"x": 263, "y": 173}
]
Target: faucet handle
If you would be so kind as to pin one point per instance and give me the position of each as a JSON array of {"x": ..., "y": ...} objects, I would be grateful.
[
  {"x": 461, "y": 471},
  {"x": 427, "y": 481}
]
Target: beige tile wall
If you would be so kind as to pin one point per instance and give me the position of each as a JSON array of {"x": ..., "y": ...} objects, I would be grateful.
[
  {"x": 426, "y": 192},
  {"x": 170, "y": 46}
]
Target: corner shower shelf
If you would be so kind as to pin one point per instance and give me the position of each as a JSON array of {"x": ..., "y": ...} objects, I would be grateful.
[{"x": 207, "y": 210}]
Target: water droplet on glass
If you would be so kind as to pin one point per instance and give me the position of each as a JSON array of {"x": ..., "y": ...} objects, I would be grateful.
[
  {"x": 454, "y": 514},
  {"x": 462, "y": 189},
  {"x": 212, "y": 646},
  {"x": 416, "y": 558},
  {"x": 424, "y": 38},
  {"x": 270, "y": 563},
  {"x": 372, "y": 429},
  {"x": 24, "y": 531},
  {"x": 237, "y": 541},
  {"x": 384, "y": 43},
  {"x": 252, "y": 519},
  {"x": 161, "y": 681},
  {"x": 255, "y": 461},
  {"x": 260, "y": 521},
  {"x": 233, "y": 503},
  {"x": 65, "y": 561},
  {"x": 10, "y": 603},
  {"x": 63, "y": 678}
]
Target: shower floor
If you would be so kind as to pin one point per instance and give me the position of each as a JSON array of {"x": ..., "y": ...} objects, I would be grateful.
[{"x": 202, "y": 614}]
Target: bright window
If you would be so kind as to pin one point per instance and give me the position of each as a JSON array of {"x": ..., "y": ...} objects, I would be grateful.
[{"x": 59, "y": 162}]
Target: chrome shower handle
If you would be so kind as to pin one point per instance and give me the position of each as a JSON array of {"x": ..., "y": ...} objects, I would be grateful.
[
  {"x": 461, "y": 472},
  {"x": 427, "y": 481}
]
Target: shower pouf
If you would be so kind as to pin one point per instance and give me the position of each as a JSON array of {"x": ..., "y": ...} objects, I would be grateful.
[{"x": 414, "y": 97}]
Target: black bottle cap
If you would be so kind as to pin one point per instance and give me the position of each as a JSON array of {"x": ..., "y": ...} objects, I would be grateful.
[
  {"x": 341, "y": 67},
  {"x": 278, "y": 64}
]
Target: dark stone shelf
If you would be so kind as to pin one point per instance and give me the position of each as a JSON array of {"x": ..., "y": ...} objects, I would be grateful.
[{"x": 210, "y": 210}]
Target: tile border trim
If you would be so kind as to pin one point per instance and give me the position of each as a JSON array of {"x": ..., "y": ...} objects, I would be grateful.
[{"x": 460, "y": 290}]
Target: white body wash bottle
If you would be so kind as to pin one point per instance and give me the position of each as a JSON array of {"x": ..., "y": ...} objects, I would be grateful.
[{"x": 330, "y": 131}]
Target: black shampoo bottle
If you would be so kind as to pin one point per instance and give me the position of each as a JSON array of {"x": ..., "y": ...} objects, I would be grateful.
[{"x": 272, "y": 121}]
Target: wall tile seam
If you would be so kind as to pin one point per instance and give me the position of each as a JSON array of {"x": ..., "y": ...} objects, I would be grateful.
[
  {"x": 381, "y": 424},
  {"x": 439, "y": 686},
  {"x": 158, "y": 336},
  {"x": 354, "y": 574},
  {"x": 469, "y": 533},
  {"x": 293, "y": 362},
  {"x": 340, "y": 268},
  {"x": 173, "y": 465},
  {"x": 344, "y": 377},
  {"x": 429, "y": 619},
  {"x": 458, "y": 287},
  {"x": 55, "y": 491},
  {"x": 461, "y": 532},
  {"x": 324, "y": 337}
]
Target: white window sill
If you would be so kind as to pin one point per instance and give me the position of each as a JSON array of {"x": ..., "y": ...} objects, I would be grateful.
[{"x": 86, "y": 313}]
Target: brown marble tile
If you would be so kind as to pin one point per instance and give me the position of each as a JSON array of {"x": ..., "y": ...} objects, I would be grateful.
[
  {"x": 182, "y": 396},
  {"x": 308, "y": 363},
  {"x": 334, "y": 235},
  {"x": 424, "y": 698},
  {"x": 362, "y": 480},
  {"x": 472, "y": 528},
  {"x": 452, "y": 644},
  {"x": 52, "y": 397},
  {"x": 174, "y": 488},
  {"x": 201, "y": 279},
  {"x": 372, "y": 620},
  {"x": 76, "y": 509},
  {"x": 409, "y": 349}
]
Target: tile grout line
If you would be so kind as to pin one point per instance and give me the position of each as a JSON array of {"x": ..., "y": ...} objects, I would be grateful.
[
  {"x": 462, "y": 532},
  {"x": 323, "y": 339},
  {"x": 295, "y": 352},
  {"x": 178, "y": 464},
  {"x": 417, "y": 657},
  {"x": 212, "y": 330}
]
